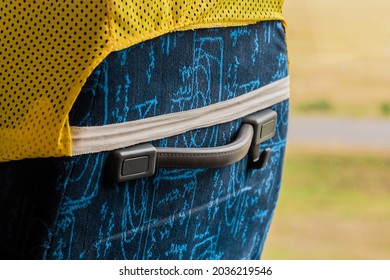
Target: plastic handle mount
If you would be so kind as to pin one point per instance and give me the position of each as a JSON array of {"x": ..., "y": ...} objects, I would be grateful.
[{"x": 142, "y": 160}]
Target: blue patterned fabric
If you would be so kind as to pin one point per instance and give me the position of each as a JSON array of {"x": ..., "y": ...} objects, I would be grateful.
[
  {"x": 182, "y": 71},
  {"x": 66, "y": 208}
]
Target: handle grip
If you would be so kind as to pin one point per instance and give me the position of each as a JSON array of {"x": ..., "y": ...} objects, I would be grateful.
[{"x": 142, "y": 160}]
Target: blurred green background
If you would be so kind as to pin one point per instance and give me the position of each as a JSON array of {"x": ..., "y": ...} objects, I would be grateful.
[{"x": 335, "y": 202}]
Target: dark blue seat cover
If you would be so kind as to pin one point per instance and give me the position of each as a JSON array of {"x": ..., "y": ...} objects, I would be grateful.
[{"x": 66, "y": 208}]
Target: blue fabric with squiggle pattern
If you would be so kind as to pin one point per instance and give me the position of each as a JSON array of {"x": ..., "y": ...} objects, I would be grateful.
[{"x": 66, "y": 208}]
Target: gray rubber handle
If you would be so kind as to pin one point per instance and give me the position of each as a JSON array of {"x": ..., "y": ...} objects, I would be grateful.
[
  {"x": 207, "y": 157},
  {"x": 142, "y": 160}
]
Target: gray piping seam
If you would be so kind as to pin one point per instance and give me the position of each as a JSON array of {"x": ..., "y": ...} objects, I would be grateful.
[{"x": 94, "y": 139}]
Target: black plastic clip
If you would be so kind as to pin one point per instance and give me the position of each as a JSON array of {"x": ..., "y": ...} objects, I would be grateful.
[
  {"x": 132, "y": 163},
  {"x": 264, "y": 125}
]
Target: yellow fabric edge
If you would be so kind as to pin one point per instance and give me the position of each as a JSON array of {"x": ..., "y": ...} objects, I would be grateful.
[{"x": 65, "y": 132}]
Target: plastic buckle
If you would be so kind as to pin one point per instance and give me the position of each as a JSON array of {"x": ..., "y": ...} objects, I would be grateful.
[
  {"x": 132, "y": 163},
  {"x": 264, "y": 125}
]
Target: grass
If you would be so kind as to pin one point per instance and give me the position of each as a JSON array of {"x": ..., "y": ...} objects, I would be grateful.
[
  {"x": 335, "y": 204},
  {"x": 332, "y": 206},
  {"x": 318, "y": 106},
  {"x": 339, "y": 51},
  {"x": 385, "y": 108}
]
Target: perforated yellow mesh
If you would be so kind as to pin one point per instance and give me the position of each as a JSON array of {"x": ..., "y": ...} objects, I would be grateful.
[{"x": 49, "y": 48}]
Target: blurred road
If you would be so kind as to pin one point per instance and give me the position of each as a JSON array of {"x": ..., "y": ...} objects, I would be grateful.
[{"x": 334, "y": 132}]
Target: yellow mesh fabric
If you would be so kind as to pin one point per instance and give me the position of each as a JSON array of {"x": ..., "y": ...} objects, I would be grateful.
[{"x": 49, "y": 48}]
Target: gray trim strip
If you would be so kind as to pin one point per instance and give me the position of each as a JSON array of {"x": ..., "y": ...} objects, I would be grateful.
[{"x": 96, "y": 139}]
